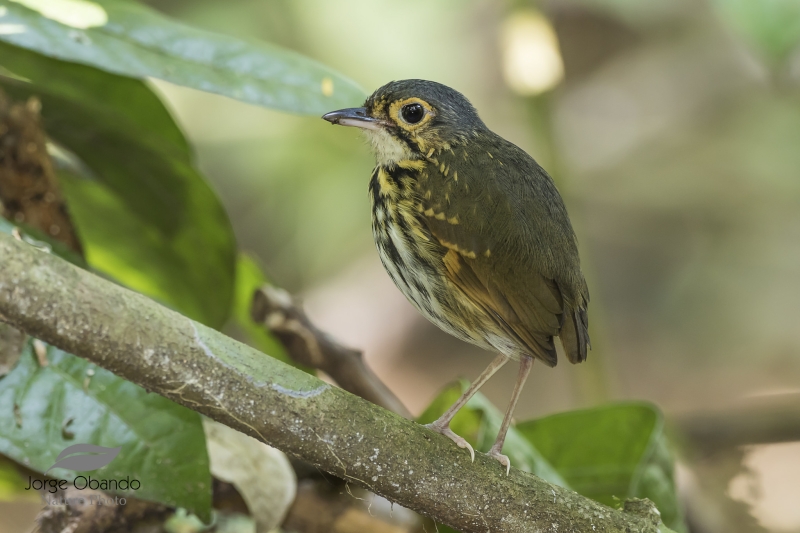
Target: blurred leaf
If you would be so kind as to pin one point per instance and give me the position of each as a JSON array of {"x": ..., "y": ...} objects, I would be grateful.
[
  {"x": 299, "y": 240},
  {"x": 772, "y": 25},
  {"x": 184, "y": 522},
  {"x": 611, "y": 453},
  {"x": 12, "y": 484},
  {"x": 133, "y": 40},
  {"x": 249, "y": 277},
  {"x": 234, "y": 523},
  {"x": 45, "y": 409},
  {"x": 261, "y": 474},
  {"x": 657, "y": 483},
  {"x": 145, "y": 215},
  {"x": 479, "y": 421}
]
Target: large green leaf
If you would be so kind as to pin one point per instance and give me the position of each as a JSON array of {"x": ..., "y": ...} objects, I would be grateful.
[
  {"x": 146, "y": 216},
  {"x": 130, "y": 39},
  {"x": 610, "y": 453},
  {"x": 479, "y": 421},
  {"x": 45, "y": 409}
]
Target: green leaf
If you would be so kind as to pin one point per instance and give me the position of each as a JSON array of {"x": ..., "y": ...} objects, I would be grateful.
[
  {"x": 43, "y": 410},
  {"x": 610, "y": 453},
  {"x": 249, "y": 278},
  {"x": 145, "y": 215},
  {"x": 479, "y": 422},
  {"x": 12, "y": 484},
  {"x": 773, "y": 26},
  {"x": 132, "y": 40}
]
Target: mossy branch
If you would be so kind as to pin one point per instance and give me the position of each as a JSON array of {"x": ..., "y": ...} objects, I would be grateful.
[{"x": 200, "y": 368}]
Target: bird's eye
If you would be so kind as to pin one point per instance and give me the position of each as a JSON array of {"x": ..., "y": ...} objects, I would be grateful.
[{"x": 412, "y": 113}]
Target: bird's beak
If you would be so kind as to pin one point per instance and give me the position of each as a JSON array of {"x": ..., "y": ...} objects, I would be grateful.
[{"x": 354, "y": 116}]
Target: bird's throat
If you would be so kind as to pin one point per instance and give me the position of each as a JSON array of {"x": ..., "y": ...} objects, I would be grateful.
[{"x": 388, "y": 149}]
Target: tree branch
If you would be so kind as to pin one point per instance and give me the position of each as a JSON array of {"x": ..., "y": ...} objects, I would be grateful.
[
  {"x": 200, "y": 368},
  {"x": 763, "y": 420}
]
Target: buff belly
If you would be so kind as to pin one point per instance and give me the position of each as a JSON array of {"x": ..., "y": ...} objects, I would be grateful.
[{"x": 413, "y": 269}]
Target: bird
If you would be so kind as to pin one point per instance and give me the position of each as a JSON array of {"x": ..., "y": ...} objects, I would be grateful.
[{"x": 473, "y": 232}]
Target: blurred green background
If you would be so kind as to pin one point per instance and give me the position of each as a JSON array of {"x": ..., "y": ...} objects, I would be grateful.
[
  {"x": 671, "y": 128},
  {"x": 673, "y": 132}
]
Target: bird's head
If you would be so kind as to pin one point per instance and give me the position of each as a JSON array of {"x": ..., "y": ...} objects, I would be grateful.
[{"x": 407, "y": 119}]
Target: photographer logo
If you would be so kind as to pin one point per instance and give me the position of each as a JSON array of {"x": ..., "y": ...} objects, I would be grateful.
[
  {"x": 85, "y": 458},
  {"x": 69, "y": 459}
]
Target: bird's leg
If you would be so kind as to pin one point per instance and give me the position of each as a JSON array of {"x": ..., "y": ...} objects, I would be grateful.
[
  {"x": 525, "y": 364},
  {"x": 442, "y": 425}
]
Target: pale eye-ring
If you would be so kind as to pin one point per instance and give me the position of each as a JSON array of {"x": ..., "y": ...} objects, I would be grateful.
[{"x": 412, "y": 113}]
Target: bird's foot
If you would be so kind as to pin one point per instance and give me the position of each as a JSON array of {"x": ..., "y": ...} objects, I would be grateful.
[
  {"x": 461, "y": 442},
  {"x": 504, "y": 460}
]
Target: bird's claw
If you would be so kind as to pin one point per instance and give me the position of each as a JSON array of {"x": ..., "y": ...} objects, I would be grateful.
[
  {"x": 503, "y": 459},
  {"x": 461, "y": 442}
]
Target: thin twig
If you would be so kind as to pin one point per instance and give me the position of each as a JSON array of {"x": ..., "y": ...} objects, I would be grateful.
[
  {"x": 760, "y": 421},
  {"x": 308, "y": 345}
]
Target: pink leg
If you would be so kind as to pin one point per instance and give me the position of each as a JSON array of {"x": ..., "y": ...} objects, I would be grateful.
[
  {"x": 525, "y": 364},
  {"x": 442, "y": 425}
]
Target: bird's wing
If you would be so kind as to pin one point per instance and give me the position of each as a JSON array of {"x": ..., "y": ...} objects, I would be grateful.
[{"x": 510, "y": 247}]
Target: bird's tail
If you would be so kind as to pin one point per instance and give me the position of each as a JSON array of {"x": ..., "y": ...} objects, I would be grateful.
[{"x": 574, "y": 335}]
